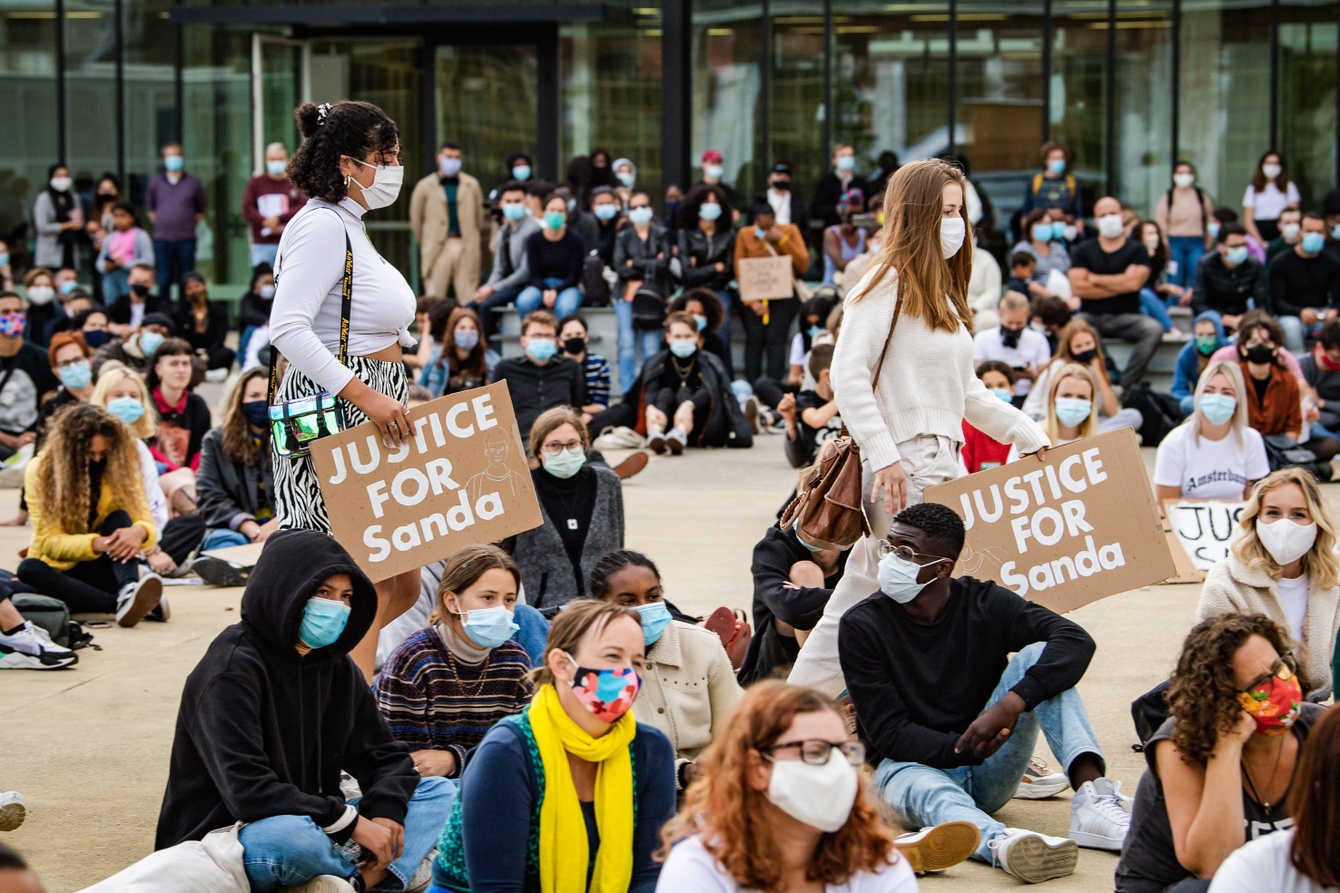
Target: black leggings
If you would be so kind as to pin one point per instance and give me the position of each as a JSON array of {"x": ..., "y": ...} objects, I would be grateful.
[
  {"x": 90, "y": 587},
  {"x": 766, "y": 346},
  {"x": 667, "y": 400}
]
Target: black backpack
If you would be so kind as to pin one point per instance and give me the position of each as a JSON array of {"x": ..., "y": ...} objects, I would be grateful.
[
  {"x": 1149, "y": 712},
  {"x": 1161, "y": 412},
  {"x": 648, "y": 308},
  {"x": 593, "y": 283},
  {"x": 52, "y": 615}
]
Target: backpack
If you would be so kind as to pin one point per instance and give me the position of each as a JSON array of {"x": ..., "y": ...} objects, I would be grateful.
[
  {"x": 1069, "y": 184},
  {"x": 648, "y": 308},
  {"x": 1149, "y": 712},
  {"x": 1161, "y": 413},
  {"x": 52, "y": 615},
  {"x": 1200, "y": 200},
  {"x": 594, "y": 285}
]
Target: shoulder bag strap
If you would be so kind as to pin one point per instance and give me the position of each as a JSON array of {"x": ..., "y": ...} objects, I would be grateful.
[
  {"x": 879, "y": 367},
  {"x": 346, "y": 306}
]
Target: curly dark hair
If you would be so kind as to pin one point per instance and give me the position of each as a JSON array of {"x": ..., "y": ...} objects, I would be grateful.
[
  {"x": 355, "y": 129},
  {"x": 940, "y": 523},
  {"x": 610, "y": 564},
  {"x": 712, "y": 307},
  {"x": 1202, "y": 694},
  {"x": 696, "y": 198}
]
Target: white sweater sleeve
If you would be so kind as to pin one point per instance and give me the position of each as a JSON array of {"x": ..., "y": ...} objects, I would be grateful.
[
  {"x": 1000, "y": 420},
  {"x": 311, "y": 256},
  {"x": 865, "y": 330},
  {"x": 158, "y": 506}
]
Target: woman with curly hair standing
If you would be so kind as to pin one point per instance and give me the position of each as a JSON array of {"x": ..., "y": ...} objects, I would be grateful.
[
  {"x": 348, "y": 164},
  {"x": 86, "y": 550},
  {"x": 1221, "y": 768},
  {"x": 778, "y": 805}
]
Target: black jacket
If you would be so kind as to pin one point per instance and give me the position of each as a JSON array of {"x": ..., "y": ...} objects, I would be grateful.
[
  {"x": 253, "y": 310},
  {"x": 828, "y": 193},
  {"x": 726, "y": 424},
  {"x": 800, "y": 215},
  {"x": 698, "y": 254},
  {"x": 263, "y": 731},
  {"x": 1218, "y": 286},
  {"x": 773, "y": 558},
  {"x": 216, "y": 327},
  {"x": 228, "y": 489},
  {"x": 535, "y": 388},
  {"x": 635, "y": 259},
  {"x": 119, "y": 312}
]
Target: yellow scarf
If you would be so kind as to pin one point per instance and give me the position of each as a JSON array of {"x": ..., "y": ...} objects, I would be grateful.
[{"x": 564, "y": 854}]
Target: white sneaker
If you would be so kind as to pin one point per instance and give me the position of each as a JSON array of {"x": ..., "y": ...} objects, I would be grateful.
[
  {"x": 1033, "y": 857},
  {"x": 1098, "y": 819},
  {"x": 1040, "y": 782},
  {"x": 31, "y": 649},
  {"x": 216, "y": 375},
  {"x": 12, "y": 810},
  {"x": 325, "y": 883},
  {"x": 138, "y": 599},
  {"x": 940, "y": 846}
]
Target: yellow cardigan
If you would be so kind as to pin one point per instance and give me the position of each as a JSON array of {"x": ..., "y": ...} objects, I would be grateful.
[{"x": 64, "y": 550}]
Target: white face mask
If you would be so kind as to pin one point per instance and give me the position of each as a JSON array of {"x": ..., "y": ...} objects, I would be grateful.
[
  {"x": 1271, "y": 170},
  {"x": 1110, "y": 226},
  {"x": 385, "y": 188},
  {"x": 818, "y": 796},
  {"x": 1152, "y": 244},
  {"x": 1286, "y": 540},
  {"x": 1184, "y": 180},
  {"x": 61, "y": 184},
  {"x": 1290, "y": 231},
  {"x": 953, "y": 230}
]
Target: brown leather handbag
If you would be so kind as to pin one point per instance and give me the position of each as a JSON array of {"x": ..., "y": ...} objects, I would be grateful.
[{"x": 827, "y": 511}]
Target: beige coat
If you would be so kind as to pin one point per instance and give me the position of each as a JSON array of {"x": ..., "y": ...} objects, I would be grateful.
[
  {"x": 688, "y": 687},
  {"x": 1233, "y": 588},
  {"x": 444, "y": 260}
]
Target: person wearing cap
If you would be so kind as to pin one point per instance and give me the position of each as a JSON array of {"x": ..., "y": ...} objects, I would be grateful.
[
  {"x": 832, "y": 185},
  {"x": 519, "y": 170},
  {"x": 713, "y": 169},
  {"x": 787, "y": 206},
  {"x": 135, "y": 350},
  {"x": 625, "y": 173}
]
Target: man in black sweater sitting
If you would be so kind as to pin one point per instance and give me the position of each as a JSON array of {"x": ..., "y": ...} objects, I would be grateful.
[
  {"x": 542, "y": 379},
  {"x": 1305, "y": 285},
  {"x": 950, "y": 719}
]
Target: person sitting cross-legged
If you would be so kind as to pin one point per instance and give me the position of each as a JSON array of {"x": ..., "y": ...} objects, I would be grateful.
[{"x": 951, "y": 719}]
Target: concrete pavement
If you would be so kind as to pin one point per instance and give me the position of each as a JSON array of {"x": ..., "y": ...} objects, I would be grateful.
[{"x": 88, "y": 747}]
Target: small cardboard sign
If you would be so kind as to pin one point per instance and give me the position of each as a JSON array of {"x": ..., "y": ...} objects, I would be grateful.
[
  {"x": 765, "y": 278},
  {"x": 462, "y": 479},
  {"x": 245, "y": 555},
  {"x": 1202, "y": 529},
  {"x": 1078, "y": 527}
]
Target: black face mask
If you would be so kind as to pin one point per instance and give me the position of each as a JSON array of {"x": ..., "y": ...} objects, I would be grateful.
[
  {"x": 1084, "y": 357},
  {"x": 1260, "y": 354},
  {"x": 140, "y": 291},
  {"x": 782, "y": 185},
  {"x": 574, "y": 345},
  {"x": 1010, "y": 337}
]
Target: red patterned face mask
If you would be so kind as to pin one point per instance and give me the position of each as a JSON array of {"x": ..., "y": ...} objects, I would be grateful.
[
  {"x": 608, "y": 693},
  {"x": 1275, "y": 703}
]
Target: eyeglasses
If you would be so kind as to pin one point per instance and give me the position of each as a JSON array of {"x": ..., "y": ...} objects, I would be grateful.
[
  {"x": 816, "y": 751},
  {"x": 68, "y": 363},
  {"x": 553, "y": 449},
  {"x": 1283, "y": 670},
  {"x": 887, "y": 548}
]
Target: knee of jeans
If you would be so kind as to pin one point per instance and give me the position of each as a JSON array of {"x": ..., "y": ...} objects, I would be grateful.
[
  {"x": 284, "y": 832},
  {"x": 434, "y": 788}
]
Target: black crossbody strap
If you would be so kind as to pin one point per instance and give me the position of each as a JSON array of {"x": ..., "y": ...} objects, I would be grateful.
[{"x": 346, "y": 307}]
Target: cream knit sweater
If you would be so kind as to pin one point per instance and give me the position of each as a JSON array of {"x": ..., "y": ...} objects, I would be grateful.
[{"x": 927, "y": 385}]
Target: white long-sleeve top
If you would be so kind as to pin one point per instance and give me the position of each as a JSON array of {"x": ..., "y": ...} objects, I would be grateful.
[
  {"x": 305, "y": 318},
  {"x": 158, "y": 506},
  {"x": 927, "y": 384}
]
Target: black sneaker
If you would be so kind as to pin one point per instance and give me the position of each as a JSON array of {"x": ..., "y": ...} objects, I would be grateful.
[
  {"x": 217, "y": 572},
  {"x": 138, "y": 599}
]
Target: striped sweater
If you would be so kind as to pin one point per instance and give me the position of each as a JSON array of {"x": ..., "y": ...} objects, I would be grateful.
[
  {"x": 433, "y": 700},
  {"x": 597, "y": 371}
]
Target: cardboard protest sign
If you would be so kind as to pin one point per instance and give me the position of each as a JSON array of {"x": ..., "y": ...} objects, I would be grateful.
[
  {"x": 1065, "y": 532},
  {"x": 765, "y": 278},
  {"x": 1202, "y": 529},
  {"x": 462, "y": 479}
]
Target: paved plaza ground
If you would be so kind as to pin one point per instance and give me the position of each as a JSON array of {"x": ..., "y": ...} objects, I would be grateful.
[{"x": 88, "y": 747}]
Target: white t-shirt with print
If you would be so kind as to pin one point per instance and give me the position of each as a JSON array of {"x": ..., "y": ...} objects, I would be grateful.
[
  {"x": 1210, "y": 469},
  {"x": 1263, "y": 864},
  {"x": 691, "y": 867},
  {"x": 1032, "y": 350}
]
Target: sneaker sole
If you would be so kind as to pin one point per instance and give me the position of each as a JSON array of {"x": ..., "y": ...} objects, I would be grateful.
[
  {"x": 149, "y": 594},
  {"x": 944, "y": 846},
  {"x": 220, "y": 573},
  {"x": 326, "y": 883},
  {"x": 1037, "y": 791},
  {"x": 17, "y": 660},
  {"x": 656, "y": 445},
  {"x": 676, "y": 446},
  {"x": 12, "y": 815},
  {"x": 631, "y": 466},
  {"x": 1033, "y": 860},
  {"x": 1096, "y": 841}
]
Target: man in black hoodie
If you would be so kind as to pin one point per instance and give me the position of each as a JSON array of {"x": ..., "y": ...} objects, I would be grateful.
[{"x": 272, "y": 714}]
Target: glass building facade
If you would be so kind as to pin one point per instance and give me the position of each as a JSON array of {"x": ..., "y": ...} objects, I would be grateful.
[{"x": 1128, "y": 85}]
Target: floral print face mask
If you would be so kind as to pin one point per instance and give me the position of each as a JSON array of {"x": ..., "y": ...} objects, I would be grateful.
[
  {"x": 1274, "y": 702},
  {"x": 608, "y": 694}
]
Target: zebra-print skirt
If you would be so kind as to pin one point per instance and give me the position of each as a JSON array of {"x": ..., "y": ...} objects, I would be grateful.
[{"x": 298, "y": 501}]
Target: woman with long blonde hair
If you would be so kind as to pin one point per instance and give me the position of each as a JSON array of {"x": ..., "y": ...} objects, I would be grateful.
[
  {"x": 1282, "y": 564},
  {"x": 903, "y": 378},
  {"x": 778, "y": 806},
  {"x": 86, "y": 548},
  {"x": 1215, "y": 453},
  {"x": 1072, "y": 406}
]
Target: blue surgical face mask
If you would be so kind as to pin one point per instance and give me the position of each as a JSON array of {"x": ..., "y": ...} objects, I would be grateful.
[
  {"x": 521, "y": 172},
  {"x": 128, "y": 409},
  {"x": 77, "y": 376},
  {"x": 555, "y": 220},
  {"x": 1004, "y": 394},
  {"x": 68, "y": 286},
  {"x": 1042, "y": 232},
  {"x": 1217, "y": 408},
  {"x": 801, "y": 540},
  {"x": 514, "y": 211},
  {"x": 846, "y": 162},
  {"x": 626, "y": 178},
  {"x": 655, "y": 618},
  {"x": 323, "y": 620},
  {"x": 4, "y": 259},
  {"x": 150, "y": 342},
  {"x": 1313, "y": 242},
  {"x": 276, "y": 168},
  {"x": 541, "y": 350},
  {"x": 465, "y": 339},
  {"x": 1057, "y": 166},
  {"x": 1072, "y": 411},
  {"x": 1236, "y": 256},
  {"x": 1058, "y": 229},
  {"x": 266, "y": 293},
  {"x": 816, "y": 331},
  {"x": 489, "y": 627},
  {"x": 683, "y": 347},
  {"x": 1213, "y": 229},
  {"x": 709, "y": 211},
  {"x": 174, "y": 163},
  {"x": 449, "y": 167},
  {"x": 640, "y": 216},
  {"x": 701, "y": 322},
  {"x": 1335, "y": 231},
  {"x": 606, "y": 211},
  {"x": 566, "y": 463}
]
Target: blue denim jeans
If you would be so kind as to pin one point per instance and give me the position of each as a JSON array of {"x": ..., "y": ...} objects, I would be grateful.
[
  {"x": 630, "y": 339},
  {"x": 1153, "y": 306},
  {"x": 921, "y": 796},
  {"x": 534, "y": 632},
  {"x": 290, "y": 850},
  {"x": 173, "y": 259},
  {"x": 1186, "y": 252},
  {"x": 1296, "y": 331},
  {"x": 220, "y": 538},
  {"x": 264, "y": 254},
  {"x": 569, "y": 299},
  {"x": 115, "y": 284}
]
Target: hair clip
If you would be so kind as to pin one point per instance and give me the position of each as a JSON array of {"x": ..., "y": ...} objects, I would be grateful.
[{"x": 322, "y": 112}]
